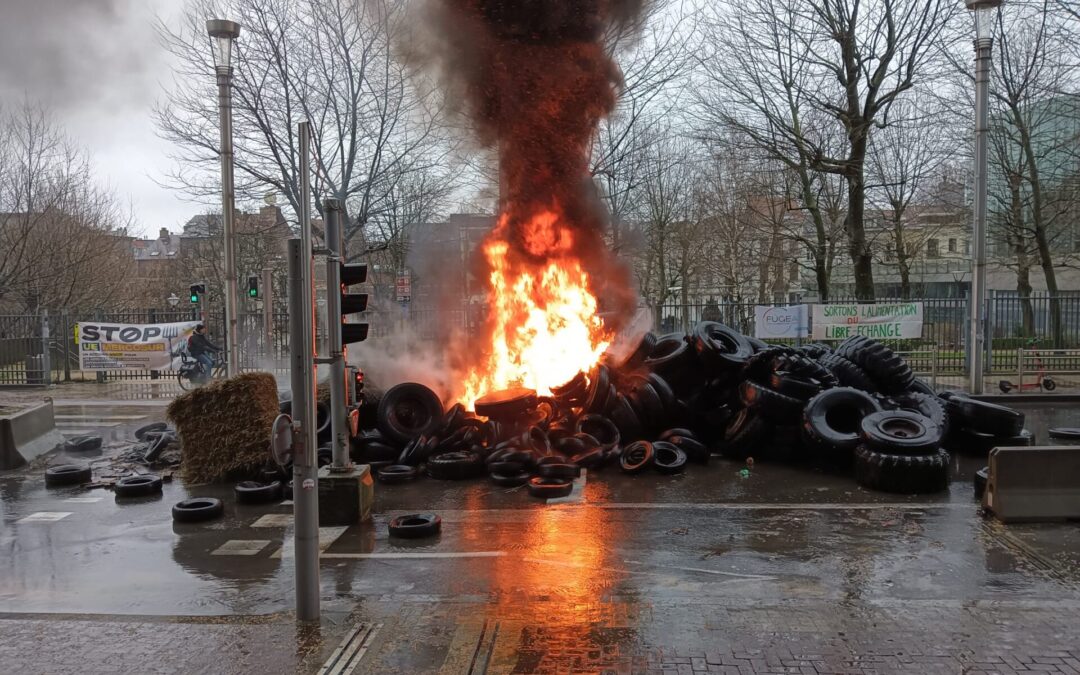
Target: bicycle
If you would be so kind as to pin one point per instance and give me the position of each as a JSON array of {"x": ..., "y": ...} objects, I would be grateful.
[{"x": 191, "y": 376}]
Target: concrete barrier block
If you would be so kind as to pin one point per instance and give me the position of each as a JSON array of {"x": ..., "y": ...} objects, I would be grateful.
[
  {"x": 27, "y": 434},
  {"x": 1037, "y": 483}
]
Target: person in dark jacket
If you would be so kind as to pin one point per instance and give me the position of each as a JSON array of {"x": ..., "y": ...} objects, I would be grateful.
[{"x": 202, "y": 350}]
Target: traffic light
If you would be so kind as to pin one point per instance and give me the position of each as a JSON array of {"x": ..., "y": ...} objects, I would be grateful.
[
  {"x": 352, "y": 303},
  {"x": 253, "y": 287},
  {"x": 196, "y": 291}
]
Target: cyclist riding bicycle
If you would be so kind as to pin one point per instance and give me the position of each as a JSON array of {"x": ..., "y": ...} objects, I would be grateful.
[{"x": 202, "y": 350}]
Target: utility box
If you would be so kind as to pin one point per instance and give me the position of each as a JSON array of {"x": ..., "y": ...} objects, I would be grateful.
[
  {"x": 1038, "y": 483},
  {"x": 345, "y": 498}
]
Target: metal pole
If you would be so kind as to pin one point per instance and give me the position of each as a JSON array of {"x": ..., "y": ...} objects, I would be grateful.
[
  {"x": 46, "y": 361},
  {"x": 228, "y": 200},
  {"x": 302, "y": 366},
  {"x": 268, "y": 316},
  {"x": 978, "y": 278},
  {"x": 339, "y": 442}
]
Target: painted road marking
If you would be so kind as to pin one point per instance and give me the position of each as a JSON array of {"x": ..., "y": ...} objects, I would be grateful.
[
  {"x": 274, "y": 520},
  {"x": 44, "y": 517},
  {"x": 97, "y": 425},
  {"x": 327, "y": 536},
  {"x": 241, "y": 547},
  {"x": 415, "y": 556},
  {"x": 75, "y": 403},
  {"x": 83, "y": 500},
  {"x": 576, "y": 492},
  {"x": 807, "y": 506},
  {"x": 101, "y": 417},
  {"x": 563, "y": 563}
]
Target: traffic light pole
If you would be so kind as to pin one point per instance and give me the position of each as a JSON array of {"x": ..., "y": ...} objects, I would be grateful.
[
  {"x": 268, "y": 315},
  {"x": 338, "y": 422},
  {"x": 302, "y": 370}
]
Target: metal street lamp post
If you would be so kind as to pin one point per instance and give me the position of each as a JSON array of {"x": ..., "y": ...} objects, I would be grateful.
[
  {"x": 984, "y": 16},
  {"x": 222, "y": 34}
]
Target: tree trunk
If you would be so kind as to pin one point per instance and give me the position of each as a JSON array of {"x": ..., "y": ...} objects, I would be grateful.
[
  {"x": 821, "y": 274},
  {"x": 820, "y": 252},
  {"x": 1046, "y": 261},
  {"x": 861, "y": 263}
]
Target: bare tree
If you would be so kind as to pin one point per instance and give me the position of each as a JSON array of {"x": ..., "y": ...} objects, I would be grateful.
[
  {"x": 795, "y": 76},
  {"x": 63, "y": 241},
  {"x": 330, "y": 62},
  {"x": 1037, "y": 157},
  {"x": 904, "y": 157}
]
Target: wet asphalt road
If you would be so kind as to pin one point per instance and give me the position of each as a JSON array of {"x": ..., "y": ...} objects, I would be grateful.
[{"x": 625, "y": 551}]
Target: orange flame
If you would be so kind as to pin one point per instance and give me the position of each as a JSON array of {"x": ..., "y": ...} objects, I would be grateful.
[{"x": 542, "y": 317}]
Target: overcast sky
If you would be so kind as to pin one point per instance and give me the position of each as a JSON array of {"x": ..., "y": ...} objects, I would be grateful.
[{"x": 97, "y": 65}]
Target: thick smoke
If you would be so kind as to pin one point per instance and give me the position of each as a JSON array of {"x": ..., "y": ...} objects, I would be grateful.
[{"x": 534, "y": 80}]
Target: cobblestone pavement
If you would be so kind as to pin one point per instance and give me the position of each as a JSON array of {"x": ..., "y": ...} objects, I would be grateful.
[
  {"x": 89, "y": 645},
  {"x": 810, "y": 638}
]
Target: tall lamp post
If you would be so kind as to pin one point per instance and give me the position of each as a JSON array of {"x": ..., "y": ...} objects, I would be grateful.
[
  {"x": 984, "y": 18},
  {"x": 222, "y": 34}
]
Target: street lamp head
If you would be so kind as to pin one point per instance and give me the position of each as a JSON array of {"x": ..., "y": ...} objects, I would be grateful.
[
  {"x": 984, "y": 15},
  {"x": 222, "y": 33}
]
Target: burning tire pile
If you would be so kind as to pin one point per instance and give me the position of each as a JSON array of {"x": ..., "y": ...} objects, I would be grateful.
[{"x": 680, "y": 399}]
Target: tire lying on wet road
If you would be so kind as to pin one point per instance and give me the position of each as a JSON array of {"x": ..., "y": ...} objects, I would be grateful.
[
  {"x": 549, "y": 488},
  {"x": 455, "y": 466},
  {"x": 396, "y": 473},
  {"x": 67, "y": 474},
  {"x": 902, "y": 474},
  {"x": 154, "y": 428},
  {"x": 255, "y": 492},
  {"x": 669, "y": 458},
  {"x": 82, "y": 445},
  {"x": 984, "y": 417},
  {"x": 832, "y": 420},
  {"x": 137, "y": 486},
  {"x": 409, "y": 410},
  {"x": 982, "y": 476},
  {"x": 415, "y": 526},
  {"x": 197, "y": 510}
]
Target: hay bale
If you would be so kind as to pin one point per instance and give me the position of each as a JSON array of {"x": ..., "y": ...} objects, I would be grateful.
[{"x": 224, "y": 427}]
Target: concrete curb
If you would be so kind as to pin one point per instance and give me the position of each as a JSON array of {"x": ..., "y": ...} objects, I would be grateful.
[{"x": 27, "y": 434}]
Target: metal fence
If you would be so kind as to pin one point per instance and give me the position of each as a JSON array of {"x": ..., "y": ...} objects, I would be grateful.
[{"x": 39, "y": 348}]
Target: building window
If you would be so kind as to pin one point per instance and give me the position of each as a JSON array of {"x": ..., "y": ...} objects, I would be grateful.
[
  {"x": 889, "y": 253},
  {"x": 967, "y": 247},
  {"x": 952, "y": 245},
  {"x": 931, "y": 248}
]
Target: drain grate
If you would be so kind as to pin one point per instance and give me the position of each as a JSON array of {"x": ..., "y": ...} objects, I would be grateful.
[{"x": 347, "y": 656}]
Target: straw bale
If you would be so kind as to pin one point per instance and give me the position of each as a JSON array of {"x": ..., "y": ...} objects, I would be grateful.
[{"x": 224, "y": 427}]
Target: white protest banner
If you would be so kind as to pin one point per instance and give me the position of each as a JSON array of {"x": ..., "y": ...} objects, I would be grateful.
[
  {"x": 123, "y": 346},
  {"x": 780, "y": 322},
  {"x": 885, "y": 321}
]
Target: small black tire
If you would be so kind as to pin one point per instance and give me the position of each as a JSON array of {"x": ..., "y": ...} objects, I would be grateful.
[
  {"x": 802, "y": 388},
  {"x": 396, "y": 473},
  {"x": 720, "y": 347},
  {"x": 695, "y": 450},
  {"x": 197, "y": 510},
  {"x": 669, "y": 458},
  {"x": 256, "y": 492},
  {"x": 415, "y": 526},
  {"x": 549, "y": 488},
  {"x": 900, "y": 432},
  {"x": 626, "y": 420},
  {"x": 600, "y": 428},
  {"x": 1065, "y": 433},
  {"x": 506, "y": 404},
  {"x": 154, "y": 428},
  {"x": 68, "y": 474},
  {"x": 902, "y": 474},
  {"x": 1048, "y": 384},
  {"x": 566, "y": 471},
  {"x": 137, "y": 486},
  {"x": 510, "y": 480},
  {"x": 637, "y": 457},
  {"x": 82, "y": 445},
  {"x": 455, "y": 466}
]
